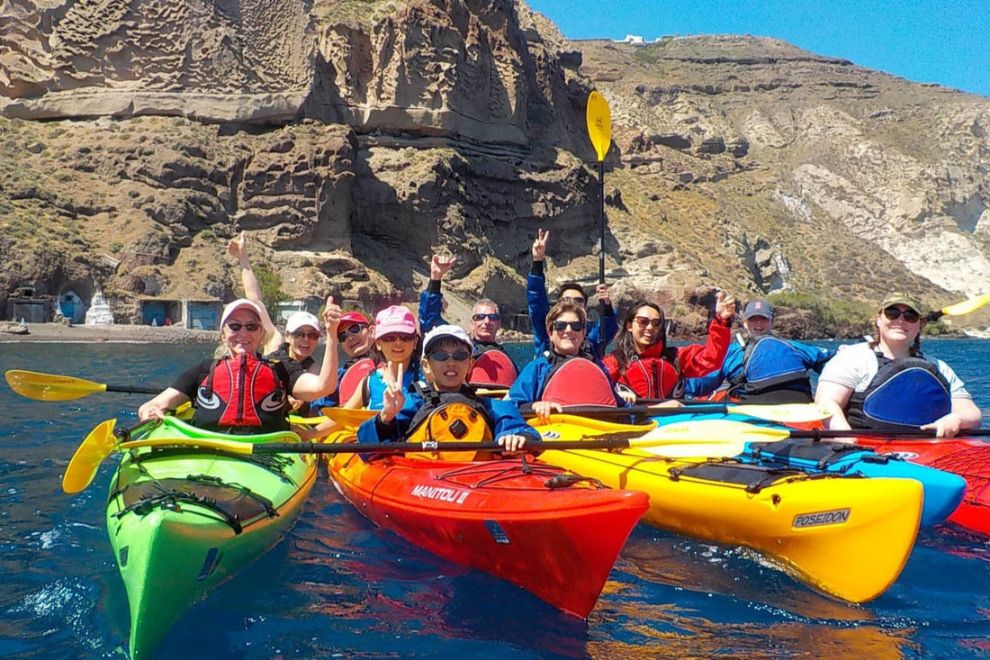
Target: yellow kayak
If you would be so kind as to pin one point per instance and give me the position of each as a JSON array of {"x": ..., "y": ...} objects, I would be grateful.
[{"x": 847, "y": 536}]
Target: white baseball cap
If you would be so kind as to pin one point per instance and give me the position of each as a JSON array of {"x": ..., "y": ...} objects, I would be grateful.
[
  {"x": 298, "y": 320},
  {"x": 236, "y": 305},
  {"x": 441, "y": 331}
]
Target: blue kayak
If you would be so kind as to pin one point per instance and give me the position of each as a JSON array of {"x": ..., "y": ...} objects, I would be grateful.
[{"x": 943, "y": 490}]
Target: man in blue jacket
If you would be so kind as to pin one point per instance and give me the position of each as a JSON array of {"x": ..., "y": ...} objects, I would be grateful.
[{"x": 764, "y": 368}]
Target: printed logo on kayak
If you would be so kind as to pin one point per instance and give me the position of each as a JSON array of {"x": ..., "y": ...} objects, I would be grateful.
[
  {"x": 440, "y": 494},
  {"x": 834, "y": 517},
  {"x": 551, "y": 435},
  {"x": 903, "y": 455}
]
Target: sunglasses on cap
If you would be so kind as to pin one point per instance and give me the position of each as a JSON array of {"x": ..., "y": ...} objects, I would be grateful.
[
  {"x": 560, "y": 326},
  {"x": 894, "y": 313},
  {"x": 397, "y": 336},
  {"x": 490, "y": 317},
  {"x": 350, "y": 330},
  {"x": 250, "y": 327},
  {"x": 643, "y": 321},
  {"x": 442, "y": 356},
  {"x": 312, "y": 336}
]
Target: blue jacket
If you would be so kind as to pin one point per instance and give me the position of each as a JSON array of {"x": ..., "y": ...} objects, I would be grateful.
[
  {"x": 539, "y": 304},
  {"x": 503, "y": 414},
  {"x": 431, "y": 307},
  {"x": 814, "y": 358}
]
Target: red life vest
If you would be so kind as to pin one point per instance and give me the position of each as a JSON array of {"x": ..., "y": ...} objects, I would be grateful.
[
  {"x": 243, "y": 394},
  {"x": 493, "y": 368},
  {"x": 650, "y": 376},
  {"x": 577, "y": 381},
  {"x": 353, "y": 377}
]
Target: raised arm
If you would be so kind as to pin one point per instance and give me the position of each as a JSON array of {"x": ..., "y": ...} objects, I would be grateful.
[
  {"x": 431, "y": 300},
  {"x": 237, "y": 248},
  {"x": 310, "y": 386},
  {"x": 537, "y": 301}
]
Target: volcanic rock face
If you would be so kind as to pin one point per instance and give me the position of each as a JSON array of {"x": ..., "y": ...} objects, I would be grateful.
[{"x": 353, "y": 138}]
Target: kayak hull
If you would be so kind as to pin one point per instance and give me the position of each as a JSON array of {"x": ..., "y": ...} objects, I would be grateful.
[
  {"x": 822, "y": 529},
  {"x": 501, "y": 517},
  {"x": 968, "y": 458},
  {"x": 172, "y": 550}
]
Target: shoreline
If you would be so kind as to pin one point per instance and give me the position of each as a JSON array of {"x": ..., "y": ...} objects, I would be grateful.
[{"x": 56, "y": 333}]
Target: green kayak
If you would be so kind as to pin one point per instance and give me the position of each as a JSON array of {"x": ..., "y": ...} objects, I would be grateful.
[{"x": 183, "y": 519}]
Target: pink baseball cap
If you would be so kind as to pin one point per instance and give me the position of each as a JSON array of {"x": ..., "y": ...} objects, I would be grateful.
[
  {"x": 395, "y": 319},
  {"x": 238, "y": 304},
  {"x": 352, "y": 318}
]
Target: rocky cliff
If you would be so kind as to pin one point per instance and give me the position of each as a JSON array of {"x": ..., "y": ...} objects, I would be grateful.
[{"x": 354, "y": 138}]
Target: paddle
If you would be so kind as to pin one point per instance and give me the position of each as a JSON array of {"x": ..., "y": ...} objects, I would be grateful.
[
  {"x": 702, "y": 439},
  {"x": 599, "y": 120},
  {"x": 960, "y": 308},
  {"x": 51, "y": 387},
  {"x": 765, "y": 433},
  {"x": 788, "y": 413}
]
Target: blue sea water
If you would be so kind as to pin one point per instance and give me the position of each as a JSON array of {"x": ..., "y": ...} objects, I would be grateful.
[{"x": 339, "y": 587}]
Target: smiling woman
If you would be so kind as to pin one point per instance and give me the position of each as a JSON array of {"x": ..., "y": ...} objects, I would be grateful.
[
  {"x": 890, "y": 384},
  {"x": 243, "y": 392}
]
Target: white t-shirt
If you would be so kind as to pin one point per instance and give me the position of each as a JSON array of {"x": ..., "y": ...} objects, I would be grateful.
[{"x": 855, "y": 366}]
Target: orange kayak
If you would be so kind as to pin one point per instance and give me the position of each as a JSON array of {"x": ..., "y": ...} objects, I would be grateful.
[{"x": 539, "y": 527}]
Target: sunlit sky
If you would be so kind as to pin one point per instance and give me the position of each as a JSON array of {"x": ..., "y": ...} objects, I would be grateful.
[{"x": 939, "y": 41}]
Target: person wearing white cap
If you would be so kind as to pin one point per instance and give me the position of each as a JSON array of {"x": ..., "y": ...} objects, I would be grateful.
[
  {"x": 888, "y": 383},
  {"x": 242, "y": 392},
  {"x": 762, "y": 368},
  {"x": 446, "y": 363}
]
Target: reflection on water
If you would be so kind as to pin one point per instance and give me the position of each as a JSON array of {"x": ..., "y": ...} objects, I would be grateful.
[{"x": 339, "y": 585}]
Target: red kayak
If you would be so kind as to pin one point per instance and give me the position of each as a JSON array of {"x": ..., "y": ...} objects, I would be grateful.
[
  {"x": 969, "y": 458},
  {"x": 529, "y": 523}
]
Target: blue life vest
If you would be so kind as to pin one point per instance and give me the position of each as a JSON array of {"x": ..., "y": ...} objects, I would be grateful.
[
  {"x": 905, "y": 394},
  {"x": 772, "y": 367}
]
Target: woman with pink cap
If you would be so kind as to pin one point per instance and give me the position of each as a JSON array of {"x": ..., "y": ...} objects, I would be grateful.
[
  {"x": 242, "y": 392},
  {"x": 397, "y": 339}
]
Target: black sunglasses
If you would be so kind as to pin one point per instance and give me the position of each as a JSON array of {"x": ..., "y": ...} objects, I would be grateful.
[
  {"x": 482, "y": 317},
  {"x": 560, "y": 326},
  {"x": 350, "y": 330},
  {"x": 443, "y": 356},
  {"x": 250, "y": 327},
  {"x": 314, "y": 336},
  {"x": 894, "y": 313}
]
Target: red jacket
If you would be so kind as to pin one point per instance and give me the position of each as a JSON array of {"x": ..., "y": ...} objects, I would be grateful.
[{"x": 653, "y": 377}]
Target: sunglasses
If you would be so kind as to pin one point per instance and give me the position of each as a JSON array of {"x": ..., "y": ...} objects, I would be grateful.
[
  {"x": 490, "y": 317},
  {"x": 894, "y": 313},
  {"x": 250, "y": 327},
  {"x": 560, "y": 326},
  {"x": 397, "y": 336},
  {"x": 443, "y": 356},
  {"x": 350, "y": 330},
  {"x": 642, "y": 322},
  {"x": 575, "y": 299},
  {"x": 312, "y": 336}
]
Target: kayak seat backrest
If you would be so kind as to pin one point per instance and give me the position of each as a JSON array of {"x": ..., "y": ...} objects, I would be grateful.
[{"x": 753, "y": 477}]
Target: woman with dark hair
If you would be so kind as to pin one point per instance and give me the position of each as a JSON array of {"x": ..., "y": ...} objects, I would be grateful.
[
  {"x": 643, "y": 362},
  {"x": 888, "y": 383}
]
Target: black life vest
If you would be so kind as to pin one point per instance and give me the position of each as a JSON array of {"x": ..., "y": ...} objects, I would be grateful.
[
  {"x": 577, "y": 381},
  {"x": 449, "y": 417},
  {"x": 773, "y": 372},
  {"x": 905, "y": 394},
  {"x": 243, "y": 394}
]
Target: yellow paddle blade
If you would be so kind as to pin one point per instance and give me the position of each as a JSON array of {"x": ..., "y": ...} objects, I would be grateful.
[
  {"x": 966, "y": 306},
  {"x": 492, "y": 392},
  {"x": 599, "y": 119},
  {"x": 785, "y": 413},
  {"x": 351, "y": 417},
  {"x": 50, "y": 387},
  {"x": 86, "y": 461},
  {"x": 575, "y": 427}
]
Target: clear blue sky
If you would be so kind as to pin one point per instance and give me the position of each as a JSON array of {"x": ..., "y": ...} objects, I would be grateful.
[{"x": 940, "y": 41}]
